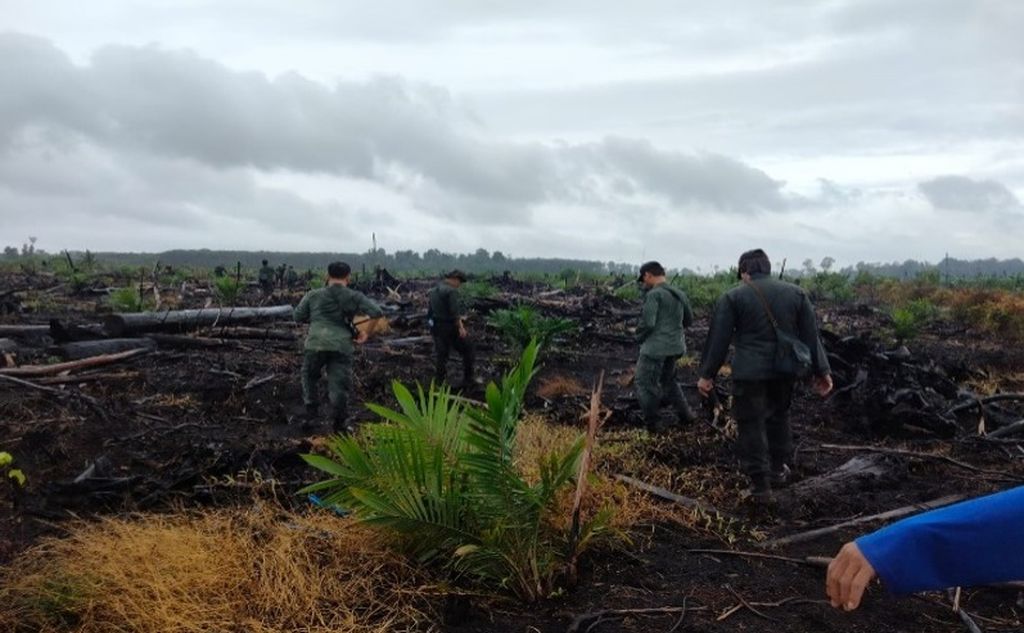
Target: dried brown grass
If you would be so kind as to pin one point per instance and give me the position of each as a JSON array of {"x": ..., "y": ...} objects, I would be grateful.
[
  {"x": 560, "y": 386},
  {"x": 261, "y": 570}
]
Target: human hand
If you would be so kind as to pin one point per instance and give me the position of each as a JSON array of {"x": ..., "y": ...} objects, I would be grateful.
[
  {"x": 362, "y": 337},
  {"x": 822, "y": 385},
  {"x": 705, "y": 386},
  {"x": 462, "y": 331},
  {"x": 848, "y": 576}
]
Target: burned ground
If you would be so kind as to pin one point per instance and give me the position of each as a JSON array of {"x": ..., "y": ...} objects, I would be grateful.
[{"x": 184, "y": 427}]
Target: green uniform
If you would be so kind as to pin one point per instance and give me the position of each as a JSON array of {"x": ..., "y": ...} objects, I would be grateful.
[
  {"x": 330, "y": 311},
  {"x": 443, "y": 314},
  {"x": 292, "y": 277},
  {"x": 761, "y": 396},
  {"x": 266, "y": 278},
  {"x": 666, "y": 312}
]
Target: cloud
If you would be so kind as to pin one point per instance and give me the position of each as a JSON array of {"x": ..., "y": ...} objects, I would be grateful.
[
  {"x": 412, "y": 137},
  {"x": 960, "y": 193}
]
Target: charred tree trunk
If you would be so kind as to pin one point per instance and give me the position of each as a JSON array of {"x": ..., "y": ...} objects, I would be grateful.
[
  {"x": 85, "y": 349},
  {"x": 185, "y": 320}
]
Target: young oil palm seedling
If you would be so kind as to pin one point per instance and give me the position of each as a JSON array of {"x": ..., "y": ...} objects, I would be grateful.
[
  {"x": 439, "y": 473},
  {"x": 525, "y": 323}
]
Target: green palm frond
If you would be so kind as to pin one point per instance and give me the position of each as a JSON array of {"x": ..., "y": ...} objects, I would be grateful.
[{"x": 439, "y": 472}]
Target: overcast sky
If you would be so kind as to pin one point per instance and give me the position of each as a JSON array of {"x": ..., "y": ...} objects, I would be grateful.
[{"x": 870, "y": 130}]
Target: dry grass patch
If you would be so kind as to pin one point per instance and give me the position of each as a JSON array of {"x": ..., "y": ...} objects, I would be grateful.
[
  {"x": 560, "y": 386},
  {"x": 262, "y": 570}
]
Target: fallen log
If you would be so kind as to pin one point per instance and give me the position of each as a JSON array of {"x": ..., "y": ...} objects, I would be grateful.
[
  {"x": 94, "y": 361},
  {"x": 907, "y": 453},
  {"x": 180, "y": 341},
  {"x": 185, "y": 320},
  {"x": 24, "y": 330},
  {"x": 1009, "y": 429},
  {"x": 889, "y": 514},
  {"x": 870, "y": 470},
  {"x": 253, "y": 333},
  {"x": 85, "y": 349},
  {"x": 60, "y": 380}
]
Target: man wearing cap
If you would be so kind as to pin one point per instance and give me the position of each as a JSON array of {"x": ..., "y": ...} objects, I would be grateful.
[
  {"x": 266, "y": 278},
  {"x": 665, "y": 313},
  {"x": 749, "y": 315},
  {"x": 444, "y": 315},
  {"x": 329, "y": 344}
]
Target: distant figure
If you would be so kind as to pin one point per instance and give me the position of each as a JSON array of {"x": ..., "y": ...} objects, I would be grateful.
[
  {"x": 266, "y": 278},
  {"x": 329, "y": 344},
  {"x": 291, "y": 277},
  {"x": 444, "y": 316},
  {"x": 279, "y": 274},
  {"x": 220, "y": 271},
  {"x": 665, "y": 313},
  {"x": 756, "y": 314}
]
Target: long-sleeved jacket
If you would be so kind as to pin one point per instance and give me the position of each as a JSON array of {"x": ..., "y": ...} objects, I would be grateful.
[
  {"x": 740, "y": 317},
  {"x": 444, "y": 305},
  {"x": 329, "y": 312},
  {"x": 665, "y": 313},
  {"x": 976, "y": 542}
]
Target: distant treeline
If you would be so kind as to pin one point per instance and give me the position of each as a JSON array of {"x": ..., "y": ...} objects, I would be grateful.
[
  {"x": 435, "y": 261},
  {"x": 950, "y": 268},
  {"x": 432, "y": 261}
]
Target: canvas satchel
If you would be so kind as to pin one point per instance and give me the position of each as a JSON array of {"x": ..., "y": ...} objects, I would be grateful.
[{"x": 792, "y": 356}]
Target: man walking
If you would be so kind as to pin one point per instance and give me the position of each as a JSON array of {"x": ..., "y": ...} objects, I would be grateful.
[
  {"x": 760, "y": 315},
  {"x": 445, "y": 317},
  {"x": 329, "y": 344},
  {"x": 665, "y": 313},
  {"x": 266, "y": 278}
]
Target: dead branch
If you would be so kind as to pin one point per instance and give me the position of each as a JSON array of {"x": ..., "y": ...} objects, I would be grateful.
[
  {"x": 589, "y": 619},
  {"x": 94, "y": 361},
  {"x": 918, "y": 455},
  {"x": 750, "y": 607},
  {"x": 668, "y": 495},
  {"x": 812, "y": 561},
  {"x": 1009, "y": 429},
  {"x": 890, "y": 514},
  {"x": 256, "y": 382}
]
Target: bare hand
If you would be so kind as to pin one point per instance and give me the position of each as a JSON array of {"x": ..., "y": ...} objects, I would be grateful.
[
  {"x": 462, "y": 331},
  {"x": 822, "y": 385},
  {"x": 362, "y": 337},
  {"x": 848, "y": 576},
  {"x": 705, "y": 386}
]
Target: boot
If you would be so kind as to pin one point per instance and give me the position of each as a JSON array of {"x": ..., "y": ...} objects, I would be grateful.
[
  {"x": 781, "y": 476},
  {"x": 686, "y": 415}
]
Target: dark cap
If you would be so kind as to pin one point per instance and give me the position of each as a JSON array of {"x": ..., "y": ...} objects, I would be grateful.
[
  {"x": 654, "y": 268},
  {"x": 456, "y": 274}
]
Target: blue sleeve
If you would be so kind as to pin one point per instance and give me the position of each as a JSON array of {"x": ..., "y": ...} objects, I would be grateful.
[{"x": 971, "y": 543}]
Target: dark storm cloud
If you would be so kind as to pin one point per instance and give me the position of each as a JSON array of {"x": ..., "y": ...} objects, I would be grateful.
[
  {"x": 178, "y": 105},
  {"x": 959, "y": 193}
]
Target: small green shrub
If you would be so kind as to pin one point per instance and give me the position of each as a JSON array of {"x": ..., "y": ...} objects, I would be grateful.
[
  {"x": 473, "y": 290},
  {"x": 227, "y": 289},
  {"x": 522, "y": 324},
  {"x": 628, "y": 291},
  {"x": 906, "y": 324},
  {"x": 127, "y": 300}
]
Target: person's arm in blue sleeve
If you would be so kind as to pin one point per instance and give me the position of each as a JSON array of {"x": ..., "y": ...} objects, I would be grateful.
[{"x": 971, "y": 543}]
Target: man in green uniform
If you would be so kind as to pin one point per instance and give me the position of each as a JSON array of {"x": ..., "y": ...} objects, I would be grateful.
[
  {"x": 444, "y": 315},
  {"x": 291, "y": 277},
  {"x": 266, "y": 278},
  {"x": 762, "y": 393},
  {"x": 665, "y": 313},
  {"x": 329, "y": 344}
]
